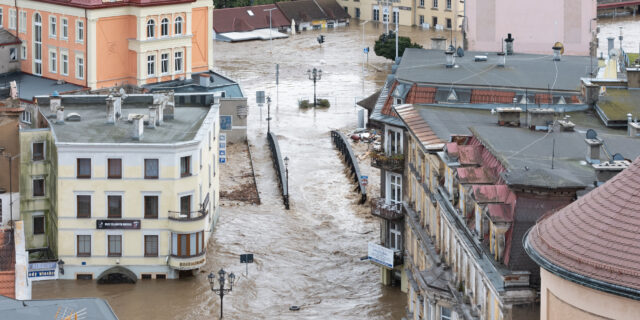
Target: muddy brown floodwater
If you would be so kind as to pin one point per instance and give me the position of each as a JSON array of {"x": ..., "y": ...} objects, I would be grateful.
[{"x": 309, "y": 255}]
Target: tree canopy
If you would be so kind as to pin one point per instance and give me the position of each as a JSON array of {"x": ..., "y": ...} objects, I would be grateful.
[{"x": 386, "y": 45}]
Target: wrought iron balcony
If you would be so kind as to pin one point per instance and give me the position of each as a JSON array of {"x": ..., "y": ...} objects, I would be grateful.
[
  {"x": 391, "y": 162},
  {"x": 380, "y": 208},
  {"x": 191, "y": 215}
]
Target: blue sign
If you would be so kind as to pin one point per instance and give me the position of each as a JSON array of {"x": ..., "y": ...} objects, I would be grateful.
[
  {"x": 223, "y": 137},
  {"x": 365, "y": 180},
  {"x": 223, "y": 145},
  {"x": 42, "y": 273},
  {"x": 223, "y": 160},
  {"x": 225, "y": 123},
  {"x": 366, "y": 50},
  {"x": 223, "y": 153}
]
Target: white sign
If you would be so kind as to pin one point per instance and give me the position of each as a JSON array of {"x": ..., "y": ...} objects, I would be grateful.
[
  {"x": 222, "y": 152},
  {"x": 42, "y": 271},
  {"x": 380, "y": 255}
]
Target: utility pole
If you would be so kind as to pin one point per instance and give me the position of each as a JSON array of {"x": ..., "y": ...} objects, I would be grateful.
[
  {"x": 397, "y": 21},
  {"x": 270, "y": 38}
]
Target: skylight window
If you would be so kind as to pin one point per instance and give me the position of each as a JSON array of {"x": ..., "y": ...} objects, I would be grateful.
[{"x": 250, "y": 13}]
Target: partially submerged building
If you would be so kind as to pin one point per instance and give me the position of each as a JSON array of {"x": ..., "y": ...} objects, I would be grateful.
[
  {"x": 313, "y": 14},
  {"x": 261, "y": 22}
]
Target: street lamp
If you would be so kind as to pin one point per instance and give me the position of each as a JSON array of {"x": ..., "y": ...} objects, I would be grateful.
[
  {"x": 364, "y": 53},
  {"x": 270, "y": 38},
  {"x": 221, "y": 280},
  {"x": 286, "y": 169},
  {"x": 315, "y": 75}
]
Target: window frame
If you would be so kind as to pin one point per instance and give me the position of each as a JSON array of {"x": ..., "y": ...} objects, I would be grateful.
[
  {"x": 157, "y": 206},
  {"x": 64, "y": 62},
  {"x": 157, "y": 176},
  {"x": 164, "y": 27},
  {"x": 177, "y": 25},
  {"x": 13, "y": 19},
  {"x": 80, "y": 72},
  {"x": 178, "y": 61},
  {"x": 23, "y": 50},
  {"x": 22, "y": 21},
  {"x": 186, "y": 173},
  {"x": 64, "y": 32},
  {"x": 25, "y": 116},
  {"x": 33, "y": 187},
  {"x": 53, "y": 27},
  {"x": 53, "y": 61},
  {"x": 78, "y": 214},
  {"x": 151, "y": 65},
  {"x": 33, "y": 150},
  {"x": 117, "y": 238},
  {"x": 164, "y": 62},
  {"x": 434, "y": 4},
  {"x": 79, "y": 31},
  {"x": 120, "y": 206},
  {"x": 114, "y": 161},
  {"x": 78, "y": 165},
  {"x": 157, "y": 245},
  {"x": 42, "y": 228},
  {"x": 151, "y": 29},
  {"x": 78, "y": 241}
]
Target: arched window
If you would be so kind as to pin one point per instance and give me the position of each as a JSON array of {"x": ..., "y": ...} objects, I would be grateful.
[
  {"x": 178, "y": 26},
  {"x": 37, "y": 44},
  {"x": 151, "y": 28},
  {"x": 164, "y": 27}
]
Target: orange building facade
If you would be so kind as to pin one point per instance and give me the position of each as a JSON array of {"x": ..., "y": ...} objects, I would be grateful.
[{"x": 102, "y": 44}]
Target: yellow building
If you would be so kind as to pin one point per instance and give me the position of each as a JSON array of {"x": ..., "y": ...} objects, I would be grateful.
[
  {"x": 134, "y": 187},
  {"x": 428, "y": 14}
]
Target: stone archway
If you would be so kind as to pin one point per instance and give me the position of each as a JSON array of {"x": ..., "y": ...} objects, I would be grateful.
[{"x": 117, "y": 274}]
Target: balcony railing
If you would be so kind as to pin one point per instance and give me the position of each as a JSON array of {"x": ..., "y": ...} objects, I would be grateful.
[
  {"x": 191, "y": 215},
  {"x": 393, "y": 162},
  {"x": 380, "y": 208}
]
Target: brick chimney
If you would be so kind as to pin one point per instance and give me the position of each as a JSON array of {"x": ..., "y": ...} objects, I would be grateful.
[
  {"x": 633, "y": 78},
  {"x": 593, "y": 150},
  {"x": 509, "y": 116},
  {"x": 540, "y": 118}
]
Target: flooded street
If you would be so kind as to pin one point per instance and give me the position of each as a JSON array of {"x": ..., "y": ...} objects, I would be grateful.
[{"x": 309, "y": 255}]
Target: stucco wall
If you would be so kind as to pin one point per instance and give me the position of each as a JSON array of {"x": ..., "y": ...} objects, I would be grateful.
[
  {"x": 228, "y": 107},
  {"x": 6, "y": 64},
  {"x": 535, "y": 25},
  {"x": 563, "y": 299}
]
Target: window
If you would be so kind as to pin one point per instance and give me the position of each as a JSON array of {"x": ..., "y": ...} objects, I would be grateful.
[
  {"x": 65, "y": 63},
  {"x": 12, "y": 19},
  {"x": 79, "y": 67},
  {"x": 435, "y": 3},
  {"x": 151, "y": 65},
  {"x": 393, "y": 142},
  {"x": 84, "y": 245},
  {"x": 185, "y": 206},
  {"x": 25, "y": 116},
  {"x": 151, "y": 28},
  {"x": 1, "y": 18},
  {"x": 53, "y": 62},
  {"x": 164, "y": 27},
  {"x": 23, "y": 21},
  {"x": 346, "y": 9},
  {"x": 358, "y": 13},
  {"x": 23, "y": 50},
  {"x": 421, "y": 19},
  {"x": 83, "y": 168},
  {"x": 394, "y": 194},
  {"x": 448, "y": 23},
  {"x": 38, "y": 187},
  {"x": 164, "y": 63},
  {"x": 38, "y": 224},
  {"x": 376, "y": 14},
  {"x": 13, "y": 54},
  {"x": 38, "y": 151},
  {"x": 115, "y": 245},
  {"x": 115, "y": 168},
  {"x": 65, "y": 28},
  {"x": 177, "y": 62},
  {"x": 83, "y": 206},
  {"x": 114, "y": 204},
  {"x": 185, "y": 166},
  {"x": 395, "y": 236},
  {"x": 434, "y": 21},
  {"x": 448, "y": 4},
  {"x": 79, "y": 31},
  {"x": 189, "y": 244},
  {"x": 422, "y": 3},
  {"x": 53, "y": 26},
  {"x": 178, "y": 26},
  {"x": 37, "y": 44},
  {"x": 445, "y": 313},
  {"x": 151, "y": 207},
  {"x": 150, "y": 245},
  {"x": 151, "y": 168}
]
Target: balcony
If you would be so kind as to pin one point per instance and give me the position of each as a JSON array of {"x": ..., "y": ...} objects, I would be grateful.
[
  {"x": 191, "y": 215},
  {"x": 380, "y": 208},
  {"x": 188, "y": 262},
  {"x": 393, "y": 162}
]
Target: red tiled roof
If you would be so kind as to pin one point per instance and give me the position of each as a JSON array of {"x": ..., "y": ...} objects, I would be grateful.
[
  {"x": 239, "y": 19},
  {"x": 96, "y": 4},
  {"x": 475, "y": 175},
  {"x": 491, "y": 193},
  {"x": 418, "y": 126},
  {"x": 543, "y": 98},
  {"x": 491, "y": 96},
  {"x": 421, "y": 95},
  {"x": 387, "y": 109},
  {"x": 470, "y": 155},
  {"x": 597, "y": 235}
]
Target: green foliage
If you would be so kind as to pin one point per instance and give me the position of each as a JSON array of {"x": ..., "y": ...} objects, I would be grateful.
[
  {"x": 321, "y": 103},
  {"x": 386, "y": 45}
]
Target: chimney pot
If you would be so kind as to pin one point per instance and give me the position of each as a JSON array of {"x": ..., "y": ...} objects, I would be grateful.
[{"x": 60, "y": 115}]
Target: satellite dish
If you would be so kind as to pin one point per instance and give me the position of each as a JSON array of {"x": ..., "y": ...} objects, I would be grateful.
[
  {"x": 618, "y": 157},
  {"x": 460, "y": 52},
  {"x": 559, "y": 44},
  {"x": 592, "y": 134}
]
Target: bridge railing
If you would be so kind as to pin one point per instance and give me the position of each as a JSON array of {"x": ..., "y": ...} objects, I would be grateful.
[
  {"x": 341, "y": 142},
  {"x": 278, "y": 164}
]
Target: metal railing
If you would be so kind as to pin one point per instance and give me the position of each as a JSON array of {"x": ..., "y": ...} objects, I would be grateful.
[
  {"x": 278, "y": 164},
  {"x": 192, "y": 215},
  {"x": 390, "y": 211},
  {"x": 341, "y": 142},
  {"x": 394, "y": 162}
]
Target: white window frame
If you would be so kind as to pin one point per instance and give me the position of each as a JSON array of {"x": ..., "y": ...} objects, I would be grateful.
[
  {"x": 79, "y": 31},
  {"x": 37, "y": 63},
  {"x": 443, "y": 317},
  {"x": 78, "y": 66},
  {"x": 175, "y": 63},
  {"x": 398, "y": 139},
  {"x": 162, "y": 62},
  {"x": 13, "y": 19},
  {"x": 151, "y": 65},
  {"x": 22, "y": 22},
  {"x": 178, "y": 25},
  {"x": 23, "y": 50},
  {"x": 64, "y": 63},
  {"x": 53, "y": 27},
  {"x": 53, "y": 61},
  {"x": 394, "y": 181},
  {"x": 150, "y": 29},
  {"x": 165, "y": 25},
  {"x": 64, "y": 32},
  {"x": 25, "y": 117},
  {"x": 395, "y": 233},
  {"x": 1, "y": 23},
  {"x": 435, "y": 4}
]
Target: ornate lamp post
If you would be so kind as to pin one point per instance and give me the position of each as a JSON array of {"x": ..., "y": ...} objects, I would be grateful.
[
  {"x": 221, "y": 280},
  {"x": 315, "y": 75},
  {"x": 286, "y": 170}
]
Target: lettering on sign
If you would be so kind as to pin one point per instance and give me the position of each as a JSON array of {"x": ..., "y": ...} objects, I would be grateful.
[
  {"x": 117, "y": 224},
  {"x": 191, "y": 263}
]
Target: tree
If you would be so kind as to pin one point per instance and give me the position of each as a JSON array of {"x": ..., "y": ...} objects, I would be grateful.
[{"x": 386, "y": 45}]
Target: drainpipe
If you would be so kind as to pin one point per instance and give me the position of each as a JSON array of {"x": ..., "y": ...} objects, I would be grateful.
[{"x": 86, "y": 49}]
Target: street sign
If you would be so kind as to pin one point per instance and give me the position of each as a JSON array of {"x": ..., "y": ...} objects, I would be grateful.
[
  {"x": 380, "y": 255},
  {"x": 365, "y": 180},
  {"x": 366, "y": 50},
  {"x": 260, "y": 97},
  {"x": 222, "y": 148},
  {"x": 246, "y": 258}
]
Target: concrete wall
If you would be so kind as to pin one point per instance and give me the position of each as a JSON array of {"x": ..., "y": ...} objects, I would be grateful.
[
  {"x": 228, "y": 107},
  {"x": 6, "y": 65},
  {"x": 563, "y": 299},
  {"x": 23, "y": 284},
  {"x": 536, "y": 26},
  {"x": 6, "y": 209}
]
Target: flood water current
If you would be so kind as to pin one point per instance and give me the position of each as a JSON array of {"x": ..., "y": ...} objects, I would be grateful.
[{"x": 309, "y": 255}]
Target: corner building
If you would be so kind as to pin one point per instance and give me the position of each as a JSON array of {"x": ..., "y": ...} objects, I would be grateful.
[{"x": 103, "y": 44}]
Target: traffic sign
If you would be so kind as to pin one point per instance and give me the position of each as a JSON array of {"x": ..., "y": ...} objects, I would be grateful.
[
  {"x": 365, "y": 180},
  {"x": 366, "y": 50}
]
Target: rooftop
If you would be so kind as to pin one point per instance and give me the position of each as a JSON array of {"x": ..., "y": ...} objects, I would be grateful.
[
  {"x": 302, "y": 10},
  {"x": 93, "y": 126},
  {"x": 522, "y": 71},
  {"x": 87, "y": 308},
  {"x": 7, "y": 38},
  {"x": 595, "y": 240},
  {"x": 248, "y": 18},
  {"x": 616, "y": 103},
  {"x": 30, "y": 86},
  {"x": 220, "y": 83},
  {"x": 97, "y": 4}
]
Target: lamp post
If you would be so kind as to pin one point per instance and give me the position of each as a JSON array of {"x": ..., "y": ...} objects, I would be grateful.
[
  {"x": 363, "y": 54},
  {"x": 315, "y": 75},
  {"x": 221, "y": 280},
  {"x": 270, "y": 38},
  {"x": 286, "y": 170},
  {"x": 268, "y": 114}
]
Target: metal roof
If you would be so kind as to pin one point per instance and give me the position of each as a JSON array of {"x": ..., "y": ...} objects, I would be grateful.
[{"x": 90, "y": 309}]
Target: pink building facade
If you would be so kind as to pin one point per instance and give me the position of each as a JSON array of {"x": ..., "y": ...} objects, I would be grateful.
[{"x": 535, "y": 25}]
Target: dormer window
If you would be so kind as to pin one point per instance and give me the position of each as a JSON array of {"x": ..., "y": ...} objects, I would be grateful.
[
  {"x": 25, "y": 116},
  {"x": 398, "y": 101},
  {"x": 452, "y": 96}
]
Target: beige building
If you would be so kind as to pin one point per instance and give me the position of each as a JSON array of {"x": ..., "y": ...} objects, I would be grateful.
[
  {"x": 589, "y": 254},
  {"x": 428, "y": 14}
]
